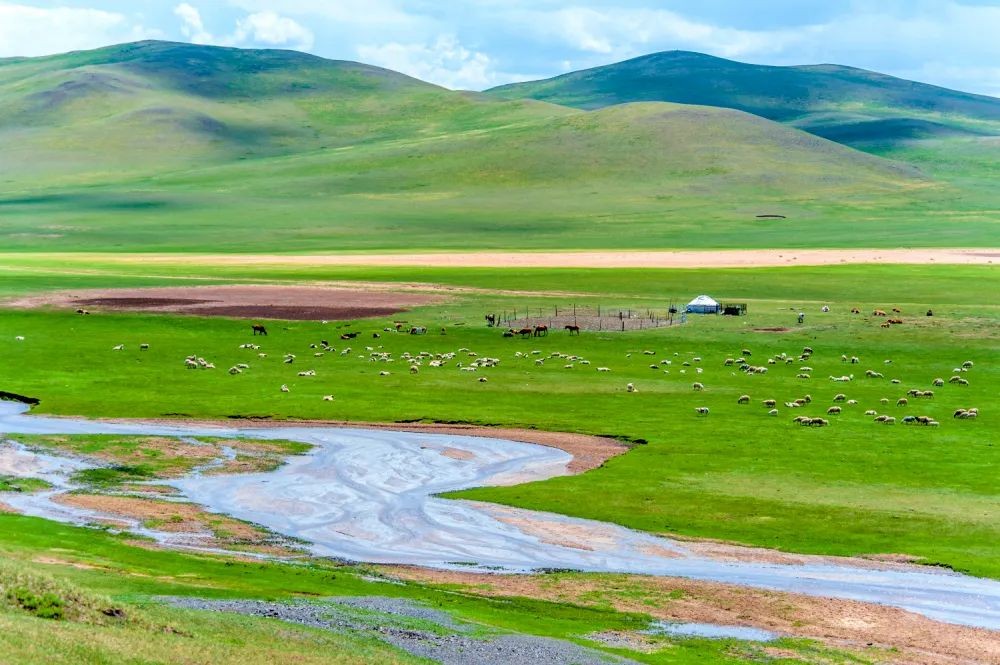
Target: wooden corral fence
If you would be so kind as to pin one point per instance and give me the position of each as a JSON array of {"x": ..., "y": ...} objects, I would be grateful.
[{"x": 599, "y": 318}]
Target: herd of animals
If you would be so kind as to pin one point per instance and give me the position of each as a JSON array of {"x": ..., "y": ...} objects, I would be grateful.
[{"x": 741, "y": 362}]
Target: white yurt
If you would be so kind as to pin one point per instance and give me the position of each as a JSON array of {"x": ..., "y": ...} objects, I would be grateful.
[{"x": 703, "y": 305}]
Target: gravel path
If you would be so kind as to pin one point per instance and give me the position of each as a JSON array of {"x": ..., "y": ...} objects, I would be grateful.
[{"x": 419, "y": 630}]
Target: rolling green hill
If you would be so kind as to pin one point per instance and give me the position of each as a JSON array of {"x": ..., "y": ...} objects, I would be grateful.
[
  {"x": 845, "y": 104},
  {"x": 159, "y": 146}
]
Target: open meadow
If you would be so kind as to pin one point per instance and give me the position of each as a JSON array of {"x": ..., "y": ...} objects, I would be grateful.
[{"x": 738, "y": 474}]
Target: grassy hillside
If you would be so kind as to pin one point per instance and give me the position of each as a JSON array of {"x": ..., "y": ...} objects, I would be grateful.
[
  {"x": 173, "y": 147},
  {"x": 845, "y": 104}
]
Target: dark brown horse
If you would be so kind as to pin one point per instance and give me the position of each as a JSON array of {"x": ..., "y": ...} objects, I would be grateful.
[
  {"x": 526, "y": 332},
  {"x": 259, "y": 329},
  {"x": 541, "y": 331},
  {"x": 572, "y": 329}
]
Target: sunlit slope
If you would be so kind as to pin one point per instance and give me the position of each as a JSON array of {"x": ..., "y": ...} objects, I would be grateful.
[
  {"x": 156, "y": 106},
  {"x": 168, "y": 147},
  {"x": 845, "y": 104}
]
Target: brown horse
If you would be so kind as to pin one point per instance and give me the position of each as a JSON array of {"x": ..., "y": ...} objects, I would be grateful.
[
  {"x": 572, "y": 329},
  {"x": 259, "y": 329},
  {"x": 541, "y": 331},
  {"x": 526, "y": 332}
]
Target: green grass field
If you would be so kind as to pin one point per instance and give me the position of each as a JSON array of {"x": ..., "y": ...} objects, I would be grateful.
[{"x": 853, "y": 488}]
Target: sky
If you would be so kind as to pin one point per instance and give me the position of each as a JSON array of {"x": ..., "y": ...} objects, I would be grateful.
[{"x": 478, "y": 44}]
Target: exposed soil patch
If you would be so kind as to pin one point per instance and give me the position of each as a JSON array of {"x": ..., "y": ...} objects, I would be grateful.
[
  {"x": 305, "y": 303},
  {"x": 840, "y": 623},
  {"x": 139, "y": 303},
  {"x": 208, "y": 529},
  {"x": 773, "y": 330},
  {"x": 4, "y": 508}
]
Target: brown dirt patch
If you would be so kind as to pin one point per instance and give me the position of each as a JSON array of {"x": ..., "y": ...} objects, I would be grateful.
[
  {"x": 53, "y": 561},
  {"x": 206, "y": 529},
  {"x": 245, "y": 464},
  {"x": 240, "y": 301},
  {"x": 11, "y": 510},
  {"x": 773, "y": 330},
  {"x": 839, "y": 623}
]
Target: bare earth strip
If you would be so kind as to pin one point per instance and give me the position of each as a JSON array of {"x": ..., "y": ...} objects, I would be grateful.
[
  {"x": 750, "y": 258},
  {"x": 840, "y": 623},
  {"x": 249, "y": 301}
]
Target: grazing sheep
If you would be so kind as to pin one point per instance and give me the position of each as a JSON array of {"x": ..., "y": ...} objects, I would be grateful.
[
  {"x": 284, "y": 388},
  {"x": 120, "y": 347},
  {"x": 938, "y": 382},
  {"x": 852, "y": 402},
  {"x": 833, "y": 411},
  {"x": 855, "y": 360},
  {"x": 746, "y": 352},
  {"x": 308, "y": 372},
  {"x": 82, "y": 311},
  {"x": 872, "y": 374},
  {"x": 962, "y": 382},
  {"x": 729, "y": 362},
  {"x": 631, "y": 388},
  {"x": 884, "y": 401},
  {"x": 191, "y": 364},
  {"x": 701, "y": 410},
  {"x": 891, "y": 420},
  {"x": 144, "y": 347},
  {"x": 414, "y": 369},
  {"x": 871, "y": 412},
  {"x": 895, "y": 381},
  {"x": 232, "y": 370},
  {"x": 697, "y": 387},
  {"x": 855, "y": 310},
  {"x": 772, "y": 412},
  {"x": 240, "y": 365},
  {"x": 802, "y": 376},
  {"x": 840, "y": 397},
  {"x": 603, "y": 369},
  {"x": 805, "y": 369},
  {"x": 792, "y": 405},
  {"x": 483, "y": 379},
  {"x": 385, "y": 373},
  {"x": 743, "y": 399},
  {"x": 807, "y": 398},
  {"x": 770, "y": 403},
  {"x": 327, "y": 398},
  {"x": 902, "y": 401},
  {"x": 967, "y": 364}
]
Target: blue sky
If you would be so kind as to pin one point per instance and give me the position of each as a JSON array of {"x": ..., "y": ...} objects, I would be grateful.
[{"x": 481, "y": 43}]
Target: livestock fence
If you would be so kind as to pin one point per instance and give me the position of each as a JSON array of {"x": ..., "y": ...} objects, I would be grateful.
[{"x": 596, "y": 318}]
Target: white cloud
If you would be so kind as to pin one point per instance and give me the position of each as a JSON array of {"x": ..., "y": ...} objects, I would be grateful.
[
  {"x": 264, "y": 28},
  {"x": 272, "y": 29},
  {"x": 32, "y": 31},
  {"x": 192, "y": 27},
  {"x": 445, "y": 62}
]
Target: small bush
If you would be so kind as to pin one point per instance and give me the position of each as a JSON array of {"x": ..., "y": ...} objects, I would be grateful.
[{"x": 44, "y": 606}]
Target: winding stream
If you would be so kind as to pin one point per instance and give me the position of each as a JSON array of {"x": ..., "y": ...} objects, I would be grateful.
[{"x": 366, "y": 495}]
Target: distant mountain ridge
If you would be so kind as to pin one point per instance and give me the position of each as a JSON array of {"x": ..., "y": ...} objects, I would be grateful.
[{"x": 846, "y": 104}]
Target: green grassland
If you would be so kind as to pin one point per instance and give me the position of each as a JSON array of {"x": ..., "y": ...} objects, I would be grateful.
[
  {"x": 318, "y": 155},
  {"x": 845, "y": 104},
  {"x": 738, "y": 474}
]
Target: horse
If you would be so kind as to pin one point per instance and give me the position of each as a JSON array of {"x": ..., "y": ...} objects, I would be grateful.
[
  {"x": 259, "y": 329},
  {"x": 526, "y": 332},
  {"x": 572, "y": 329},
  {"x": 491, "y": 320},
  {"x": 541, "y": 331}
]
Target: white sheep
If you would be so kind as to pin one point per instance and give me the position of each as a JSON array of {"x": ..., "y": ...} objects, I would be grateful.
[
  {"x": 383, "y": 373},
  {"x": 631, "y": 388},
  {"x": 284, "y": 388},
  {"x": 232, "y": 370},
  {"x": 701, "y": 410},
  {"x": 603, "y": 369},
  {"x": 120, "y": 347},
  {"x": 327, "y": 398},
  {"x": 772, "y": 412},
  {"x": 19, "y": 338},
  {"x": 697, "y": 387}
]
